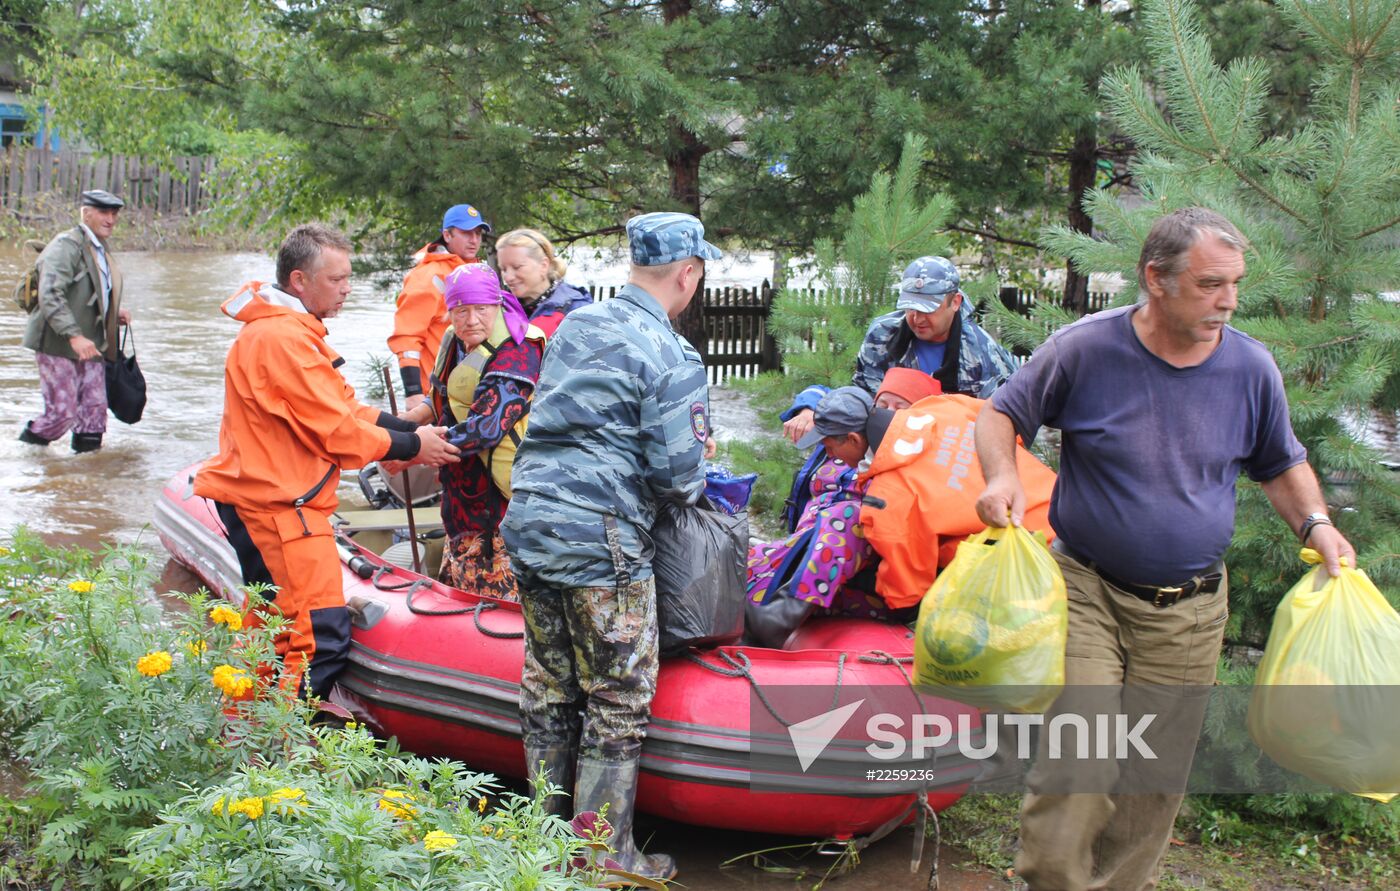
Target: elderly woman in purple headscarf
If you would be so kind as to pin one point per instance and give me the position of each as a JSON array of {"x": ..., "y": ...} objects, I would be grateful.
[{"x": 481, "y": 387}]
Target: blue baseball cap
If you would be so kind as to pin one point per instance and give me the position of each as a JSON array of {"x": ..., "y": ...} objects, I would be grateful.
[
  {"x": 843, "y": 410},
  {"x": 656, "y": 239},
  {"x": 464, "y": 217},
  {"x": 926, "y": 282}
]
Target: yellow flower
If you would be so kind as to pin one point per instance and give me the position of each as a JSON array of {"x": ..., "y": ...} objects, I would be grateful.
[
  {"x": 4, "y": 552},
  {"x": 252, "y": 808},
  {"x": 222, "y": 615},
  {"x": 282, "y": 799},
  {"x": 437, "y": 840},
  {"x": 197, "y": 647},
  {"x": 481, "y": 805},
  {"x": 218, "y": 808},
  {"x": 396, "y": 803},
  {"x": 233, "y": 681},
  {"x": 154, "y": 664},
  {"x": 81, "y": 586}
]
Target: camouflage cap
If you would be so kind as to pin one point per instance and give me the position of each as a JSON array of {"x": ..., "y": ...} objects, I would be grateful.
[
  {"x": 926, "y": 282},
  {"x": 656, "y": 239},
  {"x": 843, "y": 410}
]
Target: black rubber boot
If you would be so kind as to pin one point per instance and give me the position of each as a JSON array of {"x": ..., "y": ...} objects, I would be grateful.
[
  {"x": 87, "y": 442},
  {"x": 559, "y": 762},
  {"x": 29, "y": 436},
  {"x": 613, "y": 785},
  {"x": 771, "y": 624}
]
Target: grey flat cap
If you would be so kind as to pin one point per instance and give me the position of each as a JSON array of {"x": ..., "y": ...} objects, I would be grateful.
[
  {"x": 844, "y": 410},
  {"x": 103, "y": 199}
]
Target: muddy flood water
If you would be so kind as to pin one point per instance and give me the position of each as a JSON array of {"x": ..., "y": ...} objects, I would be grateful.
[{"x": 107, "y": 497}]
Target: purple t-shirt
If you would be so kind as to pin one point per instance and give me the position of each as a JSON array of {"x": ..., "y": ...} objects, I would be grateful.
[{"x": 1151, "y": 452}]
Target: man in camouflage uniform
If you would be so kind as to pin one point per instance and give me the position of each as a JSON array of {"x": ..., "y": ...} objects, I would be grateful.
[
  {"x": 619, "y": 423},
  {"x": 932, "y": 329}
]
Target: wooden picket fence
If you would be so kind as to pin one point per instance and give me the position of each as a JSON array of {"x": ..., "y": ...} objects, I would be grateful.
[
  {"x": 740, "y": 344},
  {"x": 30, "y": 175}
]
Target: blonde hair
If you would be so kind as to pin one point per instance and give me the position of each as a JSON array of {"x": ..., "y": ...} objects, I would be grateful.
[{"x": 537, "y": 247}]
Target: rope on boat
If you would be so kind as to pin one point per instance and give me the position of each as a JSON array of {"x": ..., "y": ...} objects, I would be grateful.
[
  {"x": 482, "y": 607},
  {"x": 741, "y": 667}
]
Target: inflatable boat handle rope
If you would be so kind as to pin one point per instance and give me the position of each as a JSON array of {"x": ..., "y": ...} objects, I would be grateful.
[
  {"x": 739, "y": 666},
  {"x": 476, "y": 611}
]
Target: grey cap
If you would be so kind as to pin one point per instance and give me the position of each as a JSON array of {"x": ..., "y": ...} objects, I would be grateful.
[
  {"x": 656, "y": 239},
  {"x": 103, "y": 199},
  {"x": 926, "y": 282},
  {"x": 844, "y": 410}
]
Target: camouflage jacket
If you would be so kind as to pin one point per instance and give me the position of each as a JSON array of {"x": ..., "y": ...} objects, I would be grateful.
[
  {"x": 619, "y": 422},
  {"x": 974, "y": 364}
]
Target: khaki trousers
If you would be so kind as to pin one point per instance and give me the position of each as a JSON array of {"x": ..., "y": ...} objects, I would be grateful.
[{"x": 1102, "y": 839}]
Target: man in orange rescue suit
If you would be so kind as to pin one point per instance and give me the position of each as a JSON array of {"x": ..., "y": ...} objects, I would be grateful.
[
  {"x": 421, "y": 318},
  {"x": 291, "y": 423}
]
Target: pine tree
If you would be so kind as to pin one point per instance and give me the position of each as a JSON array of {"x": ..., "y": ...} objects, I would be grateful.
[
  {"x": 820, "y": 332},
  {"x": 1321, "y": 206}
]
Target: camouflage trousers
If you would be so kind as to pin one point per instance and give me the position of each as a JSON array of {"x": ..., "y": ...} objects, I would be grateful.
[{"x": 591, "y": 659}]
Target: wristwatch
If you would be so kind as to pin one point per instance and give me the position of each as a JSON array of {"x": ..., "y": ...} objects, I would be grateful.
[{"x": 1310, "y": 522}]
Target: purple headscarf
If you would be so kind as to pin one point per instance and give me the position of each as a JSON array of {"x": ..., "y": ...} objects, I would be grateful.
[{"x": 476, "y": 284}]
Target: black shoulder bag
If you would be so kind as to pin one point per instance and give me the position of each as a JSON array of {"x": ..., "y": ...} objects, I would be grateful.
[{"x": 126, "y": 385}]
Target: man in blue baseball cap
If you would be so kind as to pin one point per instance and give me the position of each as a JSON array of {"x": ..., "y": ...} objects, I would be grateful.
[
  {"x": 619, "y": 424},
  {"x": 420, "y": 319}
]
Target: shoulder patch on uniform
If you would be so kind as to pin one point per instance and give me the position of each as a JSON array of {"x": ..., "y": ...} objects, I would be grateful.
[{"x": 698, "y": 424}]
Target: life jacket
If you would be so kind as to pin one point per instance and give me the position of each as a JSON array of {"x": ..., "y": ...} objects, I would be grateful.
[
  {"x": 924, "y": 482},
  {"x": 458, "y": 392}
]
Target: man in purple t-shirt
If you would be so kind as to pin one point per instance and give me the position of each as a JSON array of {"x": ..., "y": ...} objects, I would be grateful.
[{"x": 1161, "y": 406}]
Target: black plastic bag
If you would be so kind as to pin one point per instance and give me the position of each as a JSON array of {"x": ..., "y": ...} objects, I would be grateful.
[
  {"x": 126, "y": 385},
  {"x": 701, "y": 567}
]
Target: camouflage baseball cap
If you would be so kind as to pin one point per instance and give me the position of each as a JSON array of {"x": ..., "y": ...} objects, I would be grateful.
[
  {"x": 926, "y": 282},
  {"x": 843, "y": 410},
  {"x": 656, "y": 239}
]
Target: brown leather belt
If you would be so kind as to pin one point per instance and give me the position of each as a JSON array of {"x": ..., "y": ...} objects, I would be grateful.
[{"x": 1162, "y": 596}]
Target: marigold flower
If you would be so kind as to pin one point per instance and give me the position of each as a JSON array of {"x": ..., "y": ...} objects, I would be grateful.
[
  {"x": 230, "y": 618},
  {"x": 283, "y": 799},
  {"x": 154, "y": 664},
  {"x": 252, "y": 808},
  {"x": 81, "y": 586},
  {"x": 233, "y": 681},
  {"x": 481, "y": 805},
  {"x": 396, "y": 803},
  {"x": 218, "y": 808},
  {"x": 197, "y": 647},
  {"x": 437, "y": 840},
  {"x": 4, "y": 552}
]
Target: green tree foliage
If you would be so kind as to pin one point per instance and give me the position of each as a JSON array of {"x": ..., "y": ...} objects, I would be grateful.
[
  {"x": 765, "y": 118},
  {"x": 1321, "y": 205},
  {"x": 821, "y": 332}
]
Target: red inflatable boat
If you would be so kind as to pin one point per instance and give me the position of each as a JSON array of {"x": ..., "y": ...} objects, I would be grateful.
[{"x": 439, "y": 669}]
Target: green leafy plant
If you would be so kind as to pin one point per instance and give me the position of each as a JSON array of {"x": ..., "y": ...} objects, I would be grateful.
[{"x": 344, "y": 811}]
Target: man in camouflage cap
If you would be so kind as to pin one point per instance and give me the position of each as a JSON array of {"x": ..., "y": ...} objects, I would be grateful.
[
  {"x": 619, "y": 423},
  {"x": 932, "y": 329}
]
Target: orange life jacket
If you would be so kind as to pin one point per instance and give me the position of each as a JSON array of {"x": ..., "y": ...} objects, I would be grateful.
[
  {"x": 291, "y": 422},
  {"x": 420, "y": 319},
  {"x": 922, "y": 492}
]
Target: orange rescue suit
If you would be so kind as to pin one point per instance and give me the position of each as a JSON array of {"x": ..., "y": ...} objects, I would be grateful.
[
  {"x": 922, "y": 491},
  {"x": 290, "y": 424},
  {"x": 421, "y": 317}
]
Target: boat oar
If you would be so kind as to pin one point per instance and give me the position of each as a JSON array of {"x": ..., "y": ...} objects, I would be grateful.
[{"x": 407, "y": 491}]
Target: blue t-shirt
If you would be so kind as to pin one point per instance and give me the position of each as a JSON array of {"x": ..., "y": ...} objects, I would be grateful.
[
  {"x": 1151, "y": 452},
  {"x": 930, "y": 355}
]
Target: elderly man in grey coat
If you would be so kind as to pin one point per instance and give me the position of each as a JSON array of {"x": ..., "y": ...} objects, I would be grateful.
[{"x": 74, "y": 327}]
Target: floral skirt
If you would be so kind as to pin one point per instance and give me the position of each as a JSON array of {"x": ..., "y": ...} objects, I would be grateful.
[{"x": 466, "y": 564}]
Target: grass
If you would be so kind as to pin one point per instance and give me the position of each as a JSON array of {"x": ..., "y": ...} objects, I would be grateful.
[{"x": 1212, "y": 848}]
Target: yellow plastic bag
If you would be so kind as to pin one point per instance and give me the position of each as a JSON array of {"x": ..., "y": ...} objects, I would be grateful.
[
  {"x": 991, "y": 630},
  {"x": 1326, "y": 700}
]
